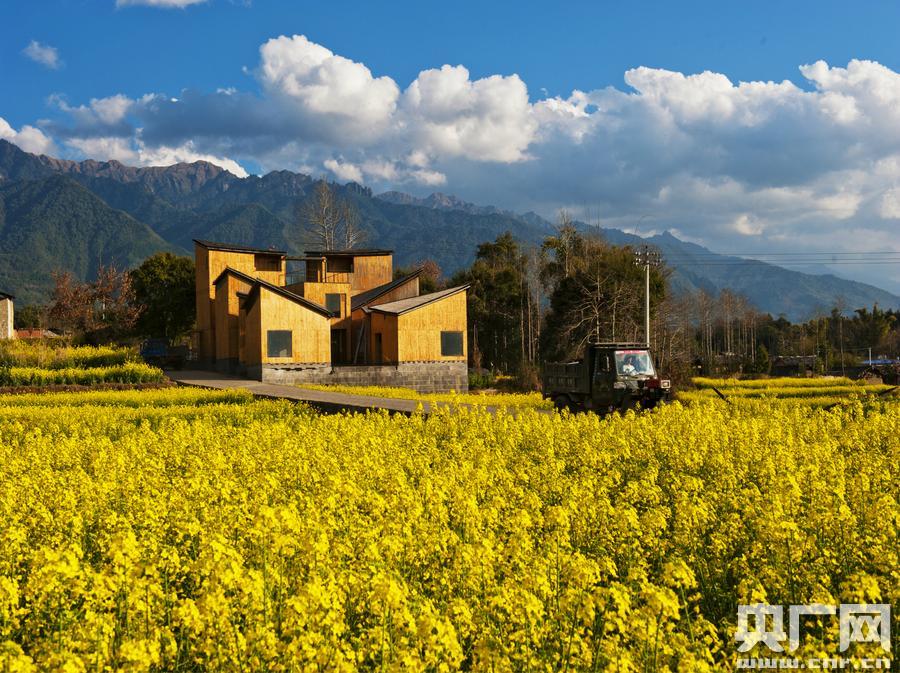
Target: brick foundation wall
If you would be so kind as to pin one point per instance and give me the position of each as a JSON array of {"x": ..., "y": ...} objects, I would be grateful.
[{"x": 424, "y": 377}]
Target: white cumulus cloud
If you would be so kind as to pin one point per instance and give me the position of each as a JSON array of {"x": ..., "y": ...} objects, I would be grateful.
[
  {"x": 336, "y": 96},
  {"x": 718, "y": 160},
  {"x": 28, "y": 138},
  {"x": 136, "y": 153},
  {"x": 165, "y": 4},
  {"x": 489, "y": 119},
  {"x": 43, "y": 54}
]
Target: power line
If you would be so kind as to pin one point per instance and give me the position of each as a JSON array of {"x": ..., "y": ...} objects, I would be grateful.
[
  {"x": 780, "y": 263},
  {"x": 819, "y": 253},
  {"x": 785, "y": 258}
]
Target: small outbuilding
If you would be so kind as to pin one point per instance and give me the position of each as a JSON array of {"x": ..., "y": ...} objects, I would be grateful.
[
  {"x": 427, "y": 328},
  {"x": 7, "y": 316}
]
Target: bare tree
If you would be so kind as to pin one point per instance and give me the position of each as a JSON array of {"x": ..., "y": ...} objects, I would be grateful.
[
  {"x": 330, "y": 222},
  {"x": 320, "y": 216},
  {"x": 350, "y": 231},
  {"x": 566, "y": 234}
]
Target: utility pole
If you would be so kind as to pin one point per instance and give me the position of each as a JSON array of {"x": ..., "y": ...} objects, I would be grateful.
[
  {"x": 647, "y": 300},
  {"x": 843, "y": 372},
  {"x": 646, "y": 257}
]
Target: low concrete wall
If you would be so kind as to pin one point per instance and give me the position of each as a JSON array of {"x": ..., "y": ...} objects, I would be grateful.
[{"x": 424, "y": 377}]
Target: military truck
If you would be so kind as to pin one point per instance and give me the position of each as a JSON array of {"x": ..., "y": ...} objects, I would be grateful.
[{"x": 610, "y": 377}]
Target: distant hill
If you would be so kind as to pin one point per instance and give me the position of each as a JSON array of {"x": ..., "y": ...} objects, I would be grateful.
[
  {"x": 770, "y": 288},
  {"x": 55, "y": 224},
  {"x": 57, "y": 214}
]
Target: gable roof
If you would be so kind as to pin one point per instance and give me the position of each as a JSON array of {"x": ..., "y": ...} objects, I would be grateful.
[
  {"x": 406, "y": 305},
  {"x": 287, "y": 294},
  {"x": 367, "y": 297},
  {"x": 234, "y": 272},
  {"x": 232, "y": 247}
]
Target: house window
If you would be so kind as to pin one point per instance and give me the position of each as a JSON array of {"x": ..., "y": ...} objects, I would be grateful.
[
  {"x": 279, "y": 343},
  {"x": 333, "y": 303},
  {"x": 340, "y": 264},
  {"x": 266, "y": 263},
  {"x": 451, "y": 343}
]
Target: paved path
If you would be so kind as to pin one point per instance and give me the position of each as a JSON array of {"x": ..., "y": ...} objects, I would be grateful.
[{"x": 322, "y": 400}]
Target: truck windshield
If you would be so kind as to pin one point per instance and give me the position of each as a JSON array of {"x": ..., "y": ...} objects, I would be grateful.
[{"x": 634, "y": 363}]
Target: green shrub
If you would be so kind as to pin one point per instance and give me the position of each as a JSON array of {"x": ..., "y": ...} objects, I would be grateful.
[
  {"x": 50, "y": 355},
  {"x": 130, "y": 372}
]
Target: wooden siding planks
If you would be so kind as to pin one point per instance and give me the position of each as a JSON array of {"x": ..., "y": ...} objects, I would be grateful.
[
  {"x": 419, "y": 330},
  {"x": 371, "y": 271},
  {"x": 209, "y": 264},
  {"x": 310, "y": 331},
  {"x": 227, "y": 315}
]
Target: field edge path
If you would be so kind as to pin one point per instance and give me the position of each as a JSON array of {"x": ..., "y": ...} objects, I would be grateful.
[{"x": 322, "y": 400}]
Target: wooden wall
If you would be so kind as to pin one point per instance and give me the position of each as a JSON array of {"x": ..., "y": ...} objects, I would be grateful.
[
  {"x": 252, "y": 338},
  {"x": 419, "y": 330},
  {"x": 386, "y": 325},
  {"x": 371, "y": 271},
  {"x": 209, "y": 264},
  {"x": 203, "y": 288},
  {"x": 7, "y": 319},
  {"x": 315, "y": 270},
  {"x": 407, "y": 290},
  {"x": 311, "y": 331},
  {"x": 242, "y": 330},
  {"x": 316, "y": 292},
  {"x": 227, "y": 312},
  {"x": 368, "y": 271}
]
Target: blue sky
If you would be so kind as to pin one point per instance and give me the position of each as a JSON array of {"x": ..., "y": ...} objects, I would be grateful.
[
  {"x": 737, "y": 125},
  {"x": 133, "y": 50}
]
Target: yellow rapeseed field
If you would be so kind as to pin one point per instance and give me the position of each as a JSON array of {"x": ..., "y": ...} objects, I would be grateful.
[
  {"x": 817, "y": 391},
  {"x": 533, "y": 400},
  {"x": 26, "y": 363},
  {"x": 179, "y": 530},
  {"x": 51, "y": 355}
]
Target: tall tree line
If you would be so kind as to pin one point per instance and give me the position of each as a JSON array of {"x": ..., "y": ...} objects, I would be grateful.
[{"x": 528, "y": 305}]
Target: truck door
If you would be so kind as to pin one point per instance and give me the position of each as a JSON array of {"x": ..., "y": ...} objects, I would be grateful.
[{"x": 604, "y": 375}]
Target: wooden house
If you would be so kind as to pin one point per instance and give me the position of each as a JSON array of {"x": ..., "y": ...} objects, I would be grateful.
[
  {"x": 211, "y": 259},
  {"x": 427, "y": 328},
  {"x": 7, "y": 331},
  {"x": 333, "y": 278},
  {"x": 344, "y": 312},
  {"x": 284, "y": 328},
  {"x": 402, "y": 288}
]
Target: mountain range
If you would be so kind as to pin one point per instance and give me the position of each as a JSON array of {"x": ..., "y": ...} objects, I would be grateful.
[{"x": 61, "y": 215}]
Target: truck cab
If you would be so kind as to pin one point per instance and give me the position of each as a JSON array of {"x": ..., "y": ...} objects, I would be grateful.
[{"x": 611, "y": 377}]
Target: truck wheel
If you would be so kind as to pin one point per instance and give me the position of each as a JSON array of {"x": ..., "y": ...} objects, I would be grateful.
[{"x": 561, "y": 402}]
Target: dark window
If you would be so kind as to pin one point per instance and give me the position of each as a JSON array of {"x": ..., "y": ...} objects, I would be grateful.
[
  {"x": 451, "y": 343},
  {"x": 333, "y": 303},
  {"x": 340, "y": 265},
  {"x": 266, "y": 263},
  {"x": 602, "y": 363},
  {"x": 279, "y": 343}
]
